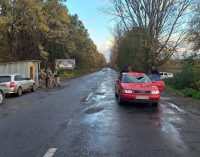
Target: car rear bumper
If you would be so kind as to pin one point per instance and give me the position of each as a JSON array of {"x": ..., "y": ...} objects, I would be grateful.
[
  {"x": 10, "y": 91},
  {"x": 133, "y": 98}
]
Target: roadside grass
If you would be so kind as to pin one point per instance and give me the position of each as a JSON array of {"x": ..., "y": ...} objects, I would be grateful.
[
  {"x": 186, "y": 92},
  {"x": 170, "y": 89}
]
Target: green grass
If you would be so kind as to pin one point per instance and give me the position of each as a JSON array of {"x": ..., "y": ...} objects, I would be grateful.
[
  {"x": 170, "y": 89},
  {"x": 186, "y": 92}
]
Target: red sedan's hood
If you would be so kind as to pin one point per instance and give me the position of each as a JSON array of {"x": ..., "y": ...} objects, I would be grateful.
[{"x": 139, "y": 86}]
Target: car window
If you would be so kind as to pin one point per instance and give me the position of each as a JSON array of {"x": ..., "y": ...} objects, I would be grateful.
[
  {"x": 135, "y": 79},
  {"x": 18, "y": 78},
  {"x": 5, "y": 79}
]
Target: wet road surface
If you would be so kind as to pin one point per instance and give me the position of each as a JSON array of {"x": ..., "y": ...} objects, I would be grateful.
[{"x": 83, "y": 119}]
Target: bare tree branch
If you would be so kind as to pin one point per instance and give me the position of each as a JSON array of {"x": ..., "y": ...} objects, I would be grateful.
[{"x": 161, "y": 19}]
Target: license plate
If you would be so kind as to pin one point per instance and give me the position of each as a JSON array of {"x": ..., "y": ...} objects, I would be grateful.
[{"x": 142, "y": 97}]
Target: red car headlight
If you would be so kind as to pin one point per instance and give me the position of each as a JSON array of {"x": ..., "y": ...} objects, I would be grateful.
[
  {"x": 155, "y": 92},
  {"x": 127, "y": 91}
]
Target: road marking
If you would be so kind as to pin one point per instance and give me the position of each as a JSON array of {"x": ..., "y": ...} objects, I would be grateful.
[
  {"x": 176, "y": 107},
  {"x": 51, "y": 152},
  {"x": 89, "y": 96}
]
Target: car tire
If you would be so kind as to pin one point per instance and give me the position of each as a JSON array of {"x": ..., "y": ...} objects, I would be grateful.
[
  {"x": 1, "y": 98},
  {"x": 33, "y": 89},
  {"x": 19, "y": 91},
  {"x": 119, "y": 100},
  {"x": 155, "y": 104}
]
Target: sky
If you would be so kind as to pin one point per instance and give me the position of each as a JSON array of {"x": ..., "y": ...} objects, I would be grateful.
[{"x": 98, "y": 23}]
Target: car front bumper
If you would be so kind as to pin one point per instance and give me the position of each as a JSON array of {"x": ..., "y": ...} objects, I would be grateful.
[{"x": 151, "y": 98}]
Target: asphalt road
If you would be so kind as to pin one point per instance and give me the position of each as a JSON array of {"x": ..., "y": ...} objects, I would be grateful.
[{"x": 83, "y": 119}]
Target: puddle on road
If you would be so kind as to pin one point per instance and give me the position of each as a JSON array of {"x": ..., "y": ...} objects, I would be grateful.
[
  {"x": 165, "y": 119},
  {"x": 100, "y": 93},
  {"x": 173, "y": 136},
  {"x": 176, "y": 108},
  {"x": 98, "y": 98},
  {"x": 94, "y": 109}
]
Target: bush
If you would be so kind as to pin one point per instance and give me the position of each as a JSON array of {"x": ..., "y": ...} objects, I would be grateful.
[
  {"x": 188, "y": 78},
  {"x": 196, "y": 95},
  {"x": 189, "y": 92},
  {"x": 184, "y": 79},
  {"x": 187, "y": 81}
]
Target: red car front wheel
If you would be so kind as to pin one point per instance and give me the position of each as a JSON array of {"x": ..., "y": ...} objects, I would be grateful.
[
  {"x": 119, "y": 100},
  {"x": 155, "y": 104}
]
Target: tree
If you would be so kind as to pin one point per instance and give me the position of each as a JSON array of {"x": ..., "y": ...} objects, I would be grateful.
[
  {"x": 136, "y": 54},
  {"x": 25, "y": 23},
  {"x": 162, "y": 20},
  {"x": 38, "y": 29},
  {"x": 194, "y": 33}
]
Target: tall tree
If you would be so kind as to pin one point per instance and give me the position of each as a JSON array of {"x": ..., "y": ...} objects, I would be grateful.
[
  {"x": 163, "y": 20},
  {"x": 44, "y": 29},
  {"x": 194, "y": 32}
]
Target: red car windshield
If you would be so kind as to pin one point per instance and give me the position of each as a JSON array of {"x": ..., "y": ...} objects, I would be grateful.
[{"x": 126, "y": 78}]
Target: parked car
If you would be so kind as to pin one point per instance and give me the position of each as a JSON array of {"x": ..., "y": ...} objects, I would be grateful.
[
  {"x": 2, "y": 94},
  {"x": 17, "y": 84},
  {"x": 137, "y": 87},
  {"x": 166, "y": 75}
]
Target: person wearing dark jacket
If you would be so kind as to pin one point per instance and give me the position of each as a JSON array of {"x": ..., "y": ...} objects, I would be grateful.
[
  {"x": 126, "y": 69},
  {"x": 154, "y": 74},
  {"x": 155, "y": 71}
]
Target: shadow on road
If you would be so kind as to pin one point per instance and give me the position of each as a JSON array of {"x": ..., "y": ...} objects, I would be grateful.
[{"x": 139, "y": 108}]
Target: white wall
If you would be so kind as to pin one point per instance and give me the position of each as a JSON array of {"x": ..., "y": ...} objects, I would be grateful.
[
  {"x": 22, "y": 68},
  {"x": 11, "y": 68}
]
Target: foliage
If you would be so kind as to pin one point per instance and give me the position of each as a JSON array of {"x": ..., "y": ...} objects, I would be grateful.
[
  {"x": 187, "y": 81},
  {"x": 189, "y": 92},
  {"x": 133, "y": 49},
  {"x": 35, "y": 29},
  {"x": 183, "y": 79}
]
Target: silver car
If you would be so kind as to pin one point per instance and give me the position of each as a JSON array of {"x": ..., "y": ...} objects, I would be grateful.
[{"x": 17, "y": 84}]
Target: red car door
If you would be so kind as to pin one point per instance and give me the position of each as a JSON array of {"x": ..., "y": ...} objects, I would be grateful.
[
  {"x": 156, "y": 81},
  {"x": 160, "y": 84}
]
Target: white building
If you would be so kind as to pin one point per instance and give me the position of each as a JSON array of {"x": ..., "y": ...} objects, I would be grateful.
[{"x": 29, "y": 68}]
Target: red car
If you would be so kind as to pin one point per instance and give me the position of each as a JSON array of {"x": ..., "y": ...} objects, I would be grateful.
[{"x": 138, "y": 87}]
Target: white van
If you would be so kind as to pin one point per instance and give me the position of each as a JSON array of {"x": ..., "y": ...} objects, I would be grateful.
[{"x": 165, "y": 75}]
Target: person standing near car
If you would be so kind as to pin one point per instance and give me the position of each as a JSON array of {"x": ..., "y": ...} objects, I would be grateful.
[
  {"x": 126, "y": 69},
  {"x": 154, "y": 73}
]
